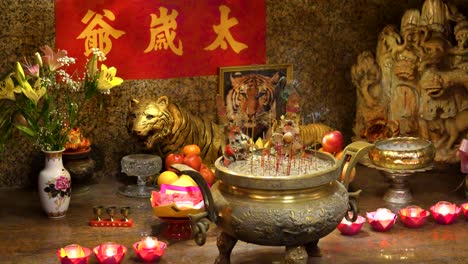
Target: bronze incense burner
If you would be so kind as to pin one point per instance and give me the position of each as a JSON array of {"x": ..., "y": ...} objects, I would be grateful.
[{"x": 290, "y": 211}]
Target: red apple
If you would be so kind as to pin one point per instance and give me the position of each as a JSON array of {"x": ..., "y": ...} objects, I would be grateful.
[
  {"x": 173, "y": 158},
  {"x": 332, "y": 142},
  {"x": 193, "y": 161},
  {"x": 208, "y": 175}
]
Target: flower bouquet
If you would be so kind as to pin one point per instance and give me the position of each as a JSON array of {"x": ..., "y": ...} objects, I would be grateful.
[{"x": 43, "y": 101}]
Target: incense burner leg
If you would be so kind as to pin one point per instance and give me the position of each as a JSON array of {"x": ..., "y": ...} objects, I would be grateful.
[
  {"x": 296, "y": 255},
  {"x": 225, "y": 245},
  {"x": 312, "y": 249}
]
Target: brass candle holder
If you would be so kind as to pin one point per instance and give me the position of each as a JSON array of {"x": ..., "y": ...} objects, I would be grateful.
[{"x": 98, "y": 220}]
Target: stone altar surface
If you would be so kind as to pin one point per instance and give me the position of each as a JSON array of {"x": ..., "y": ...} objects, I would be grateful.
[{"x": 27, "y": 236}]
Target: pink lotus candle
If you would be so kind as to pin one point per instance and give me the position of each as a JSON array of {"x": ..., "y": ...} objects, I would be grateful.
[
  {"x": 110, "y": 253},
  {"x": 445, "y": 212},
  {"x": 74, "y": 254},
  {"x": 348, "y": 228},
  {"x": 149, "y": 249},
  {"x": 382, "y": 219},
  {"x": 464, "y": 209},
  {"x": 413, "y": 216}
]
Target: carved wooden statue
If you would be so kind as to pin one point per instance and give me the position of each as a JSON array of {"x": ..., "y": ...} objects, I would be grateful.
[{"x": 417, "y": 83}]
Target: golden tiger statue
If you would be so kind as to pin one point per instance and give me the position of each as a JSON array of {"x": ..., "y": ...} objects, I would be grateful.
[
  {"x": 251, "y": 102},
  {"x": 167, "y": 128}
]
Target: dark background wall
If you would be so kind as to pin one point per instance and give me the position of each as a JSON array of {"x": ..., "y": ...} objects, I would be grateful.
[{"x": 321, "y": 38}]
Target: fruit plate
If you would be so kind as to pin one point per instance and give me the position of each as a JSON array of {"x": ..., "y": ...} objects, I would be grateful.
[
  {"x": 177, "y": 201},
  {"x": 173, "y": 210}
]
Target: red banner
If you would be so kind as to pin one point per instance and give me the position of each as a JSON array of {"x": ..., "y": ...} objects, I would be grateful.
[{"x": 163, "y": 39}]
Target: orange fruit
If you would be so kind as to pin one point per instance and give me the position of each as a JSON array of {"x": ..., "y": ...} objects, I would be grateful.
[
  {"x": 191, "y": 149},
  {"x": 167, "y": 177},
  {"x": 339, "y": 155},
  {"x": 351, "y": 175}
]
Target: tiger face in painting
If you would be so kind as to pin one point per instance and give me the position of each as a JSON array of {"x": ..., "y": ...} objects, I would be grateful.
[
  {"x": 251, "y": 101},
  {"x": 166, "y": 128}
]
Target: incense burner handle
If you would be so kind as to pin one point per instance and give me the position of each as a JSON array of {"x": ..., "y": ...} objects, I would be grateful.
[
  {"x": 354, "y": 152},
  {"x": 200, "y": 223}
]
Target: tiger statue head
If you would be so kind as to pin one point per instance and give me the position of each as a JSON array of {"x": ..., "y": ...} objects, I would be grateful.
[
  {"x": 150, "y": 119},
  {"x": 251, "y": 101}
]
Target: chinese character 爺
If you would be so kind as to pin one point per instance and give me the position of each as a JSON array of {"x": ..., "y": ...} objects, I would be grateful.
[
  {"x": 98, "y": 31},
  {"x": 163, "y": 32},
  {"x": 224, "y": 34}
]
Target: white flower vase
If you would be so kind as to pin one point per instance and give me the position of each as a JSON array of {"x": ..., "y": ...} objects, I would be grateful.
[{"x": 54, "y": 185}]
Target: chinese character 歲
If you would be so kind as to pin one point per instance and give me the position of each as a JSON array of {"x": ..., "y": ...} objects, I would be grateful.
[{"x": 163, "y": 33}]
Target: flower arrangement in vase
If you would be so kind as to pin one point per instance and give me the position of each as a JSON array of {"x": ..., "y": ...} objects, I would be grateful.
[{"x": 44, "y": 102}]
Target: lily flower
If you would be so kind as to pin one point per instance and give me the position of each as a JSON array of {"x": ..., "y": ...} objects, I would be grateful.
[
  {"x": 36, "y": 93},
  {"x": 107, "y": 78},
  {"x": 19, "y": 74},
  {"x": 8, "y": 89},
  {"x": 91, "y": 66},
  {"x": 51, "y": 58},
  {"x": 38, "y": 58},
  {"x": 32, "y": 69}
]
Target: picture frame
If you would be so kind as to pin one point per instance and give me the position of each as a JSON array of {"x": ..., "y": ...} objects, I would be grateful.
[{"x": 273, "y": 74}]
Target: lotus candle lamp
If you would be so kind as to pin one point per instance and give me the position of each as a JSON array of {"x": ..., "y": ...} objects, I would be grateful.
[
  {"x": 464, "y": 209},
  {"x": 73, "y": 254},
  {"x": 348, "y": 228},
  {"x": 382, "y": 219},
  {"x": 445, "y": 212},
  {"x": 109, "y": 253},
  {"x": 413, "y": 216},
  {"x": 149, "y": 249}
]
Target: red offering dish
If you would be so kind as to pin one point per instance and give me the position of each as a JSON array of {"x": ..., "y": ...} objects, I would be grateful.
[
  {"x": 110, "y": 253},
  {"x": 74, "y": 254},
  {"x": 149, "y": 249},
  {"x": 464, "y": 209},
  {"x": 445, "y": 212},
  {"x": 413, "y": 216},
  {"x": 348, "y": 228},
  {"x": 382, "y": 219}
]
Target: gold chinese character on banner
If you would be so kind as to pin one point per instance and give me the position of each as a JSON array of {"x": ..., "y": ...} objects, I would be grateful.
[
  {"x": 224, "y": 35},
  {"x": 98, "y": 31},
  {"x": 163, "y": 33}
]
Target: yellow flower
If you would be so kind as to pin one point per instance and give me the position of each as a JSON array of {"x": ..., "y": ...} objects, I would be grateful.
[
  {"x": 8, "y": 89},
  {"x": 33, "y": 94},
  {"x": 19, "y": 74},
  {"x": 36, "y": 93},
  {"x": 107, "y": 79}
]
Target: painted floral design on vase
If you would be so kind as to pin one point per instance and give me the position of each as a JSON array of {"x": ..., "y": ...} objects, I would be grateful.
[{"x": 54, "y": 185}]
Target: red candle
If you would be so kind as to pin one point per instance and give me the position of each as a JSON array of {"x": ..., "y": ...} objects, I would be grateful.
[
  {"x": 149, "y": 249},
  {"x": 348, "y": 228},
  {"x": 382, "y": 219},
  {"x": 464, "y": 208},
  {"x": 445, "y": 212},
  {"x": 110, "y": 253},
  {"x": 413, "y": 216},
  {"x": 74, "y": 254}
]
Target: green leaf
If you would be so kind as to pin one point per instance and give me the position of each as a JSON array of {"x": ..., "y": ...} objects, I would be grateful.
[{"x": 28, "y": 131}]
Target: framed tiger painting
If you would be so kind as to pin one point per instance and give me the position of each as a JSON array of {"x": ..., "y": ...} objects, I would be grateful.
[{"x": 252, "y": 96}]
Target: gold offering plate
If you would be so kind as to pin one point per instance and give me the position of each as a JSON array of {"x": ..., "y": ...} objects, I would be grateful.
[{"x": 402, "y": 153}]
